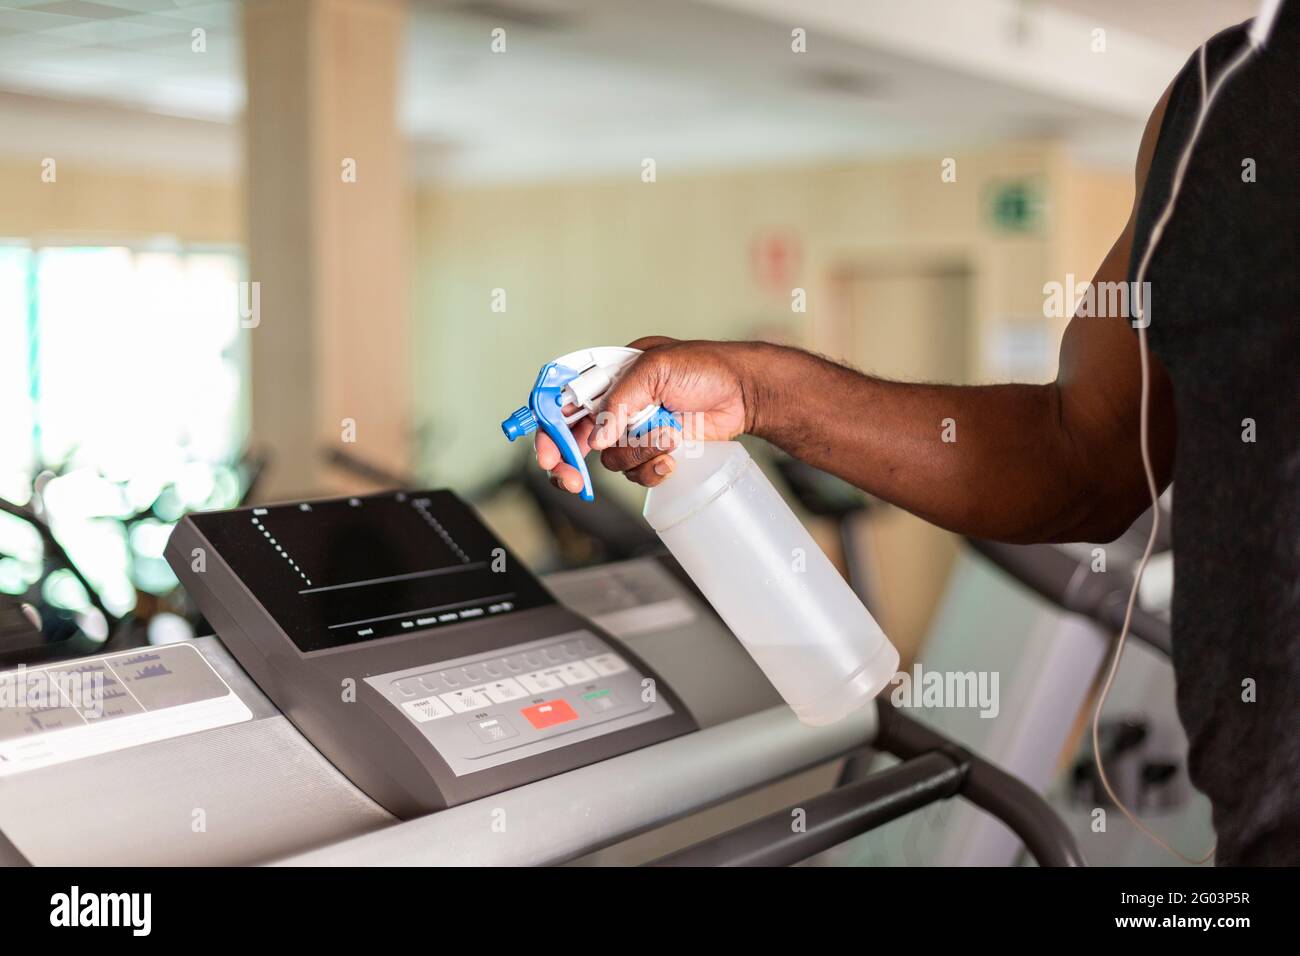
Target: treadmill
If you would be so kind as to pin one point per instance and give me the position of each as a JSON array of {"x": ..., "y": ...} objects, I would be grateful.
[{"x": 389, "y": 685}]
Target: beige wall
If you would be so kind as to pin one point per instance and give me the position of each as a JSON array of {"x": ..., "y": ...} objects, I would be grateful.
[
  {"x": 1094, "y": 206},
  {"x": 96, "y": 204}
]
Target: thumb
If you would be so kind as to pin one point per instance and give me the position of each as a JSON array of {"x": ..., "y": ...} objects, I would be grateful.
[
  {"x": 638, "y": 387},
  {"x": 648, "y": 342}
]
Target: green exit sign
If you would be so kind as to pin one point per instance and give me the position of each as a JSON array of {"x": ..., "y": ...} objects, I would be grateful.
[{"x": 1016, "y": 206}]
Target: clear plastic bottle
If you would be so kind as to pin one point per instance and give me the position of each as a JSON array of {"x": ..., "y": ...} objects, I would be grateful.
[{"x": 770, "y": 582}]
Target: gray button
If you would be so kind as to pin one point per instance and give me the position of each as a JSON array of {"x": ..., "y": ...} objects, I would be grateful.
[
  {"x": 492, "y": 729},
  {"x": 426, "y": 709}
]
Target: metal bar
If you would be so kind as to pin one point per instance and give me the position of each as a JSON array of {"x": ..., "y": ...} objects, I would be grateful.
[
  {"x": 10, "y": 855},
  {"x": 830, "y": 818},
  {"x": 989, "y": 787},
  {"x": 1069, "y": 584}
]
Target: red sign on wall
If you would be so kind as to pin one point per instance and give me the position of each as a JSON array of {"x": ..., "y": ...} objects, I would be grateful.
[{"x": 774, "y": 257}]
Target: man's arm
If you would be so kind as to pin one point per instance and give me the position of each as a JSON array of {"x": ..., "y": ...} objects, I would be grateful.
[{"x": 1055, "y": 462}]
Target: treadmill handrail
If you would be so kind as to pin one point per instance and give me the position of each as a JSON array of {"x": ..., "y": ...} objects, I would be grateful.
[
  {"x": 830, "y": 818},
  {"x": 1008, "y": 798},
  {"x": 1070, "y": 584},
  {"x": 933, "y": 769}
]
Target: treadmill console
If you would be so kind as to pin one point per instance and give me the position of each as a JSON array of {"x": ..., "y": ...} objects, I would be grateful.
[{"x": 413, "y": 650}]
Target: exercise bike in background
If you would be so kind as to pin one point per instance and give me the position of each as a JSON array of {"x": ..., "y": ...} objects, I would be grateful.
[{"x": 51, "y": 607}]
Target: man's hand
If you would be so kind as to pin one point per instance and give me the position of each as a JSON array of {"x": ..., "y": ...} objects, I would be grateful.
[{"x": 706, "y": 383}]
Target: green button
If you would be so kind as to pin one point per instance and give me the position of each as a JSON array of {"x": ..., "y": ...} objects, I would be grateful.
[{"x": 594, "y": 694}]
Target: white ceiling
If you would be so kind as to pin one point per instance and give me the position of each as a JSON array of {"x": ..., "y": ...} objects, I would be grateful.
[
  {"x": 685, "y": 82},
  {"x": 1184, "y": 24},
  {"x": 131, "y": 52},
  {"x": 586, "y": 84}
]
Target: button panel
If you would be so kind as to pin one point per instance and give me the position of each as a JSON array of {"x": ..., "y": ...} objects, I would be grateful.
[{"x": 521, "y": 701}]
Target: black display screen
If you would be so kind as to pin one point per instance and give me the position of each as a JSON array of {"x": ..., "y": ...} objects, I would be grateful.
[{"x": 347, "y": 570}]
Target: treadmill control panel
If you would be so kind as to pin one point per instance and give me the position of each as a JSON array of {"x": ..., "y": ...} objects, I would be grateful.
[
  {"x": 485, "y": 710},
  {"x": 419, "y": 655},
  {"x": 351, "y": 570}
]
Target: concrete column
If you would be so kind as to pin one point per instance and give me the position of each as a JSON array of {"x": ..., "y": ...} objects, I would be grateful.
[{"x": 328, "y": 240}]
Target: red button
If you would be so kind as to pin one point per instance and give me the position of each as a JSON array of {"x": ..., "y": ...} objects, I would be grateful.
[{"x": 550, "y": 713}]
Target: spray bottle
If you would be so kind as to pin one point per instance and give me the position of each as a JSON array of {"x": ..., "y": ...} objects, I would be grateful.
[{"x": 740, "y": 543}]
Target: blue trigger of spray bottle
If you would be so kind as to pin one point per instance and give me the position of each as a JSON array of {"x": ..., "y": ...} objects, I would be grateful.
[{"x": 579, "y": 380}]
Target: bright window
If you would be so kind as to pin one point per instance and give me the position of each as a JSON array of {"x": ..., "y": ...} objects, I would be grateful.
[
  {"x": 120, "y": 378},
  {"x": 16, "y": 452}
]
